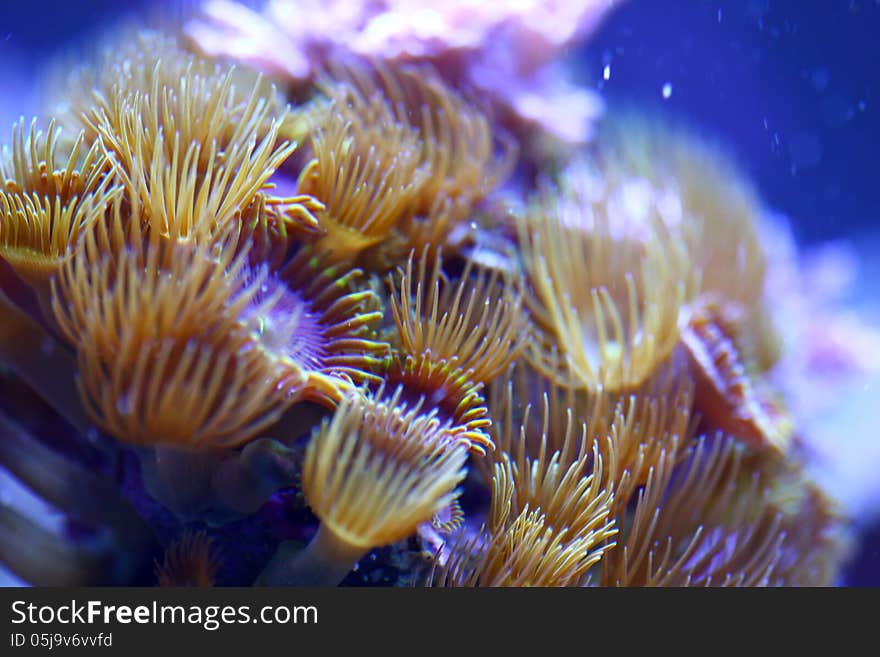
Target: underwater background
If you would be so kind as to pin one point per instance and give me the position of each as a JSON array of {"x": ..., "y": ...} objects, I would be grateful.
[{"x": 789, "y": 89}]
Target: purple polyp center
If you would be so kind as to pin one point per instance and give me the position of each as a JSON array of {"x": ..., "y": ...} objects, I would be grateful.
[{"x": 286, "y": 326}]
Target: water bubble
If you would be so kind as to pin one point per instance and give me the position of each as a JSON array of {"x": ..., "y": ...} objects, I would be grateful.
[{"x": 667, "y": 90}]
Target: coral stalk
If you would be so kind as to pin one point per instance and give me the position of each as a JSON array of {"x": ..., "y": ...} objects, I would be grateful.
[{"x": 35, "y": 356}]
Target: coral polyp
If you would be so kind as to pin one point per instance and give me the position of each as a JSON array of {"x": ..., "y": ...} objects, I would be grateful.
[
  {"x": 549, "y": 526},
  {"x": 366, "y": 181},
  {"x": 51, "y": 165},
  {"x": 35, "y": 233},
  {"x": 695, "y": 539},
  {"x": 164, "y": 356},
  {"x": 729, "y": 397},
  {"x": 188, "y": 152},
  {"x": 478, "y": 322},
  {"x": 610, "y": 287},
  {"x": 454, "y": 338},
  {"x": 53, "y": 191},
  {"x": 372, "y": 474},
  {"x": 295, "y": 314},
  {"x": 192, "y": 560},
  {"x": 400, "y": 160},
  {"x": 318, "y": 320}
]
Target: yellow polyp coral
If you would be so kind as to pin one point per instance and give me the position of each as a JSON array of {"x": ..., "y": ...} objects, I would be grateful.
[
  {"x": 35, "y": 233},
  {"x": 167, "y": 324},
  {"x": 646, "y": 428},
  {"x": 466, "y": 158},
  {"x": 631, "y": 432},
  {"x": 332, "y": 311},
  {"x": 138, "y": 62},
  {"x": 570, "y": 492},
  {"x": 366, "y": 181},
  {"x": 549, "y": 526},
  {"x": 186, "y": 395},
  {"x": 729, "y": 398},
  {"x": 458, "y": 144},
  {"x": 448, "y": 389},
  {"x": 530, "y": 413},
  {"x": 375, "y": 473},
  {"x": 632, "y": 429},
  {"x": 49, "y": 165},
  {"x": 551, "y": 518},
  {"x": 317, "y": 320},
  {"x": 52, "y": 193},
  {"x": 400, "y": 159},
  {"x": 190, "y": 151},
  {"x": 163, "y": 354},
  {"x": 525, "y": 554},
  {"x": 191, "y": 560},
  {"x": 272, "y": 225},
  {"x": 196, "y": 143},
  {"x": 609, "y": 289},
  {"x": 450, "y": 519},
  {"x": 453, "y": 338},
  {"x": 372, "y": 474},
  {"x": 477, "y": 321},
  {"x": 692, "y": 526},
  {"x": 713, "y": 209}
]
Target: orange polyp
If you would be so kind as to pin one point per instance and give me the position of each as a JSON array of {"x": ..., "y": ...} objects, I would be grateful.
[
  {"x": 726, "y": 396},
  {"x": 444, "y": 386}
]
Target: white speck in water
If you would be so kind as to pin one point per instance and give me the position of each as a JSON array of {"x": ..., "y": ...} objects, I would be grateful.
[
  {"x": 606, "y": 72},
  {"x": 667, "y": 90},
  {"x": 473, "y": 225}
]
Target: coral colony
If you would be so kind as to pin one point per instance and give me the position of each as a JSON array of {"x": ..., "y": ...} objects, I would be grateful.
[{"x": 361, "y": 319}]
